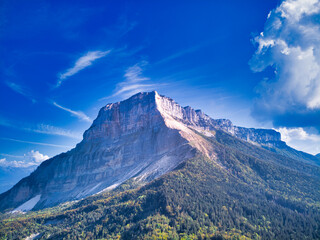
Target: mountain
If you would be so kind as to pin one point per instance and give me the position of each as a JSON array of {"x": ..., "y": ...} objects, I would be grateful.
[
  {"x": 167, "y": 172},
  {"x": 143, "y": 137}
]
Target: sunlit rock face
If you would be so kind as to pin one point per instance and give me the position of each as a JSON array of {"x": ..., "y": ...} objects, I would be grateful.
[
  {"x": 196, "y": 119},
  {"x": 143, "y": 137},
  {"x": 127, "y": 139}
]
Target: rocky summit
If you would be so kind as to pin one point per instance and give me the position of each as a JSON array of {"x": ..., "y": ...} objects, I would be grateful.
[{"x": 142, "y": 138}]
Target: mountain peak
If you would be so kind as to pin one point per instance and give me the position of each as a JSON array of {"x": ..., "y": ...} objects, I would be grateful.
[{"x": 143, "y": 137}]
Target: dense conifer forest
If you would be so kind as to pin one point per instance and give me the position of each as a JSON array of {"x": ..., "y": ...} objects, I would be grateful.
[{"x": 247, "y": 192}]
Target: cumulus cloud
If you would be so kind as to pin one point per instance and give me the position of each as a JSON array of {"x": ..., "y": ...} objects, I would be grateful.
[
  {"x": 290, "y": 44},
  {"x": 289, "y": 134},
  {"x": 77, "y": 114},
  {"x": 300, "y": 139},
  {"x": 83, "y": 62},
  {"x": 32, "y": 158},
  {"x": 14, "y": 164},
  {"x": 134, "y": 81},
  {"x": 35, "y": 156}
]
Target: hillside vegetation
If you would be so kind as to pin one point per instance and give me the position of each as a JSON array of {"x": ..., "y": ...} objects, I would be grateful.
[{"x": 247, "y": 192}]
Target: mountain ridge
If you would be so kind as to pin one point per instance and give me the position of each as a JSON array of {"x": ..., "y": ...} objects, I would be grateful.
[
  {"x": 169, "y": 172},
  {"x": 246, "y": 196},
  {"x": 143, "y": 137}
]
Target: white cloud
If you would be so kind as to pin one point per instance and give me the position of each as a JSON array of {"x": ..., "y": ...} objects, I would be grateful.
[
  {"x": 41, "y": 128},
  {"x": 35, "y": 156},
  {"x": 5, "y": 122},
  {"x": 21, "y": 90},
  {"x": 10, "y": 155},
  {"x": 128, "y": 90},
  {"x": 35, "y": 143},
  {"x": 77, "y": 114},
  {"x": 134, "y": 82},
  {"x": 32, "y": 158},
  {"x": 290, "y": 44},
  {"x": 300, "y": 139},
  {"x": 182, "y": 53},
  {"x": 52, "y": 130},
  {"x": 81, "y": 63},
  {"x": 15, "y": 164},
  {"x": 294, "y": 10},
  {"x": 134, "y": 73},
  {"x": 289, "y": 134}
]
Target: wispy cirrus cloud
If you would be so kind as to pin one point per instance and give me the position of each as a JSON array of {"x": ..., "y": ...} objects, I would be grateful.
[
  {"x": 32, "y": 158},
  {"x": 83, "y": 62},
  {"x": 41, "y": 128},
  {"x": 5, "y": 122},
  {"x": 52, "y": 130},
  {"x": 21, "y": 90},
  {"x": 35, "y": 143},
  {"x": 82, "y": 116},
  {"x": 134, "y": 82},
  {"x": 181, "y": 53},
  {"x": 10, "y": 155}
]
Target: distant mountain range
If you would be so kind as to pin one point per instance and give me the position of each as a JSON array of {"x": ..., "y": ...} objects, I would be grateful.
[{"x": 148, "y": 167}]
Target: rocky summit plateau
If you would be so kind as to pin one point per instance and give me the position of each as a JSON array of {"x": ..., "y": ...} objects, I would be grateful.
[{"x": 222, "y": 179}]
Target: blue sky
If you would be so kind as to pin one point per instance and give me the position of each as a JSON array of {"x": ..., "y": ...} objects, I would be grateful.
[{"x": 254, "y": 62}]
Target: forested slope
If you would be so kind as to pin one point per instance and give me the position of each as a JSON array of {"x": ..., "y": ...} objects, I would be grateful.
[{"x": 247, "y": 192}]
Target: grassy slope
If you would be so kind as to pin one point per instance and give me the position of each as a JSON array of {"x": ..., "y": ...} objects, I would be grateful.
[{"x": 256, "y": 194}]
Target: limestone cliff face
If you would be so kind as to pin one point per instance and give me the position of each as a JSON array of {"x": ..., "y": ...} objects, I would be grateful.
[
  {"x": 144, "y": 137},
  {"x": 196, "y": 119},
  {"x": 128, "y": 139}
]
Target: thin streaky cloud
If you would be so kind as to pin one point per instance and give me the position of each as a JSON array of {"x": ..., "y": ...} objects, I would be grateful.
[
  {"x": 5, "y": 123},
  {"x": 35, "y": 143},
  {"x": 10, "y": 155},
  {"x": 78, "y": 114},
  {"x": 21, "y": 90},
  {"x": 134, "y": 73},
  {"x": 41, "y": 128},
  {"x": 134, "y": 82},
  {"x": 52, "y": 130},
  {"x": 133, "y": 88},
  {"x": 144, "y": 88},
  {"x": 178, "y": 54},
  {"x": 83, "y": 62},
  {"x": 187, "y": 51}
]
